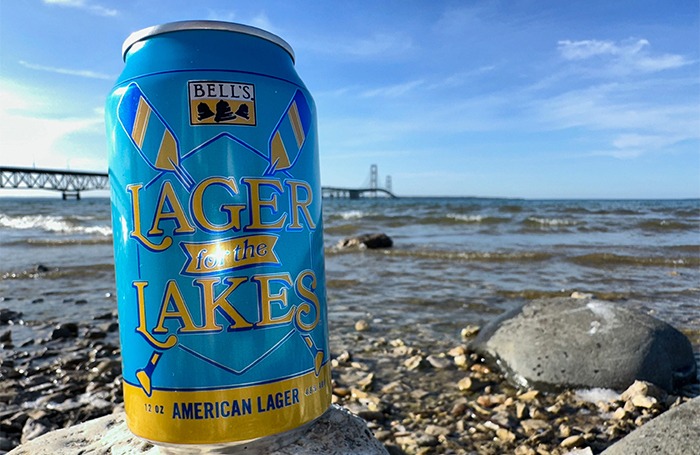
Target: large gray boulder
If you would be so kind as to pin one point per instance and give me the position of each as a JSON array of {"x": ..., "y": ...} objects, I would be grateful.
[
  {"x": 676, "y": 432},
  {"x": 336, "y": 432},
  {"x": 567, "y": 342}
]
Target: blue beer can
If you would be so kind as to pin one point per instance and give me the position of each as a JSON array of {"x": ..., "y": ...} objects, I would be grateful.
[{"x": 218, "y": 237}]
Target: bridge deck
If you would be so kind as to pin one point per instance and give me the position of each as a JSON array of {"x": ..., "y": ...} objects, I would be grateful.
[{"x": 69, "y": 183}]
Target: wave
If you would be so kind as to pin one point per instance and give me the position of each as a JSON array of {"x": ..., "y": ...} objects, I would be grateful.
[
  {"x": 532, "y": 294},
  {"x": 49, "y": 242},
  {"x": 60, "y": 273},
  {"x": 609, "y": 259},
  {"x": 661, "y": 225},
  {"x": 351, "y": 214},
  {"x": 477, "y": 219},
  {"x": 51, "y": 223},
  {"x": 468, "y": 256},
  {"x": 549, "y": 222},
  {"x": 510, "y": 208}
]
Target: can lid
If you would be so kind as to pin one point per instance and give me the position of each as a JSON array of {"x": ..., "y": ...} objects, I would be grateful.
[{"x": 203, "y": 25}]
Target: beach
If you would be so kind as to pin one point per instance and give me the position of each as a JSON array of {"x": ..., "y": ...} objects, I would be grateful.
[{"x": 396, "y": 316}]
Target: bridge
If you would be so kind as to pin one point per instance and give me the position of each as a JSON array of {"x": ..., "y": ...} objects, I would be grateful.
[
  {"x": 355, "y": 193},
  {"x": 69, "y": 183},
  {"x": 372, "y": 189}
]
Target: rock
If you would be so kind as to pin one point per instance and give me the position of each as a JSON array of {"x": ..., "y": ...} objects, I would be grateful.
[
  {"x": 336, "y": 432},
  {"x": 7, "y": 316},
  {"x": 564, "y": 342},
  {"x": 581, "y": 295},
  {"x": 584, "y": 451},
  {"x": 505, "y": 435},
  {"x": 33, "y": 429},
  {"x": 470, "y": 331},
  {"x": 414, "y": 363},
  {"x": 468, "y": 383},
  {"x": 438, "y": 362},
  {"x": 362, "y": 326},
  {"x": 65, "y": 330},
  {"x": 674, "y": 432},
  {"x": 641, "y": 401},
  {"x": 371, "y": 241},
  {"x": 573, "y": 441},
  {"x": 642, "y": 389}
]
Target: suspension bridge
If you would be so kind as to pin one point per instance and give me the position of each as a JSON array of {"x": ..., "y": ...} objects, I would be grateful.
[
  {"x": 71, "y": 183},
  {"x": 368, "y": 189}
]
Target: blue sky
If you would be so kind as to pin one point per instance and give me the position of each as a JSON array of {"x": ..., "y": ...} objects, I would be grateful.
[{"x": 534, "y": 99}]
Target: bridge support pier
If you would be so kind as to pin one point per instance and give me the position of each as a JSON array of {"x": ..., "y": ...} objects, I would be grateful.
[{"x": 71, "y": 194}]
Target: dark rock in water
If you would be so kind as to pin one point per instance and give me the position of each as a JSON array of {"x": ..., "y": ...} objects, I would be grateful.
[
  {"x": 7, "y": 316},
  {"x": 65, "y": 330},
  {"x": 558, "y": 343},
  {"x": 6, "y": 336},
  {"x": 41, "y": 268},
  {"x": 371, "y": 241},
  {"x": 676, "y": 431}
]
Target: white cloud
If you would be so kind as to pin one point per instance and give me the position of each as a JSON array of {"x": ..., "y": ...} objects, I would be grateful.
[
  {"x": 606, "y": 107},
  {"x": 84, "y": 5},
  {"x": 623, "y": 57},
  {"x": 637, "y": 126},
  {"x": 392, "y": 91},
  {"x": 32, "y": 129},
  {"x": 579, "y": 50},
  {"x": 71, "y": 72}
]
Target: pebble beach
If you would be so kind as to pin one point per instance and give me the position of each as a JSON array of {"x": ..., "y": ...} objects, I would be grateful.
[{"x": 420, "y": 397}]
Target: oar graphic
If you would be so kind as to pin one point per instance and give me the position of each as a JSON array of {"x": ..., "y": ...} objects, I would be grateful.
[
  {"x": 144, "y": 375},
  {"x": 316, "y": 353},
  {"x": 289, "y": 135},
  {"x": 153, "y": 138}
]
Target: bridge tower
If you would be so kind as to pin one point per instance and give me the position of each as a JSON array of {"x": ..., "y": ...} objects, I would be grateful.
[
  {"x": 387, "y": 186},
  {"x": 373, "y": 177}
]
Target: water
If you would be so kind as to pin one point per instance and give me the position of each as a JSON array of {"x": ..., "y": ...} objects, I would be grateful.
[{"x": 455, "y": 261}]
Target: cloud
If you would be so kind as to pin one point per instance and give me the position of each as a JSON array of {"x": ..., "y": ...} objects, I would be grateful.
[
  {"x": 614, "y": 113},
  {"x": 579, "y": 50},
  {"x": 33, "y": 130},
  {"x": 384, "y": 45},
  {"x": 263, "y": 21},
  {"x": 617, "y": 107},
  {"x": 392, "y": 91},
  {"x": 627, "y": 56},
  {"x": 83, "y": 5},
  {"x": 630, "y": 146},
  {"x": 71, "y": 72}
]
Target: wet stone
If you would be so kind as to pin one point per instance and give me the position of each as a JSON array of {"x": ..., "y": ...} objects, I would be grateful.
[
  {"x": 65, "y": 330},
  {"x": 7, "y": 316}
]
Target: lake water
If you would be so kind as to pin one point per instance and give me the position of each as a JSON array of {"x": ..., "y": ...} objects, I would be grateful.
[{"x": 455, "y": 261}]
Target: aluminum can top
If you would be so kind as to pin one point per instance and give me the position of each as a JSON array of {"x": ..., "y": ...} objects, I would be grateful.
[{"x": 170, "y": 27}]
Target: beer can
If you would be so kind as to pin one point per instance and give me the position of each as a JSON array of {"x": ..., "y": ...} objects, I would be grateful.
[{"x": 218, "y": 238}]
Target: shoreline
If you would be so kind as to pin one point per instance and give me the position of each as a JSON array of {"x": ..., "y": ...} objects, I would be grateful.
[{"x": 423, "y": 396}]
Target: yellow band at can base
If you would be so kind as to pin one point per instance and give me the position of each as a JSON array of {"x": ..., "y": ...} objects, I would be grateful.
[{"x": 228, "y": 415}]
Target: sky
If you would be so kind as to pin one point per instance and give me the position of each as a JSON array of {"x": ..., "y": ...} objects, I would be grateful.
[{"x": 519, "y": 98}]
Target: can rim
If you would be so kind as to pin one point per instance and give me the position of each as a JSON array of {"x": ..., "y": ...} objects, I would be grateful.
[{"x": 203, "y": 25}]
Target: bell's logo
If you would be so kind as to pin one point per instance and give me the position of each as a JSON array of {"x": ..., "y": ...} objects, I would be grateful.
[{"x": 219, "y": 102}]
